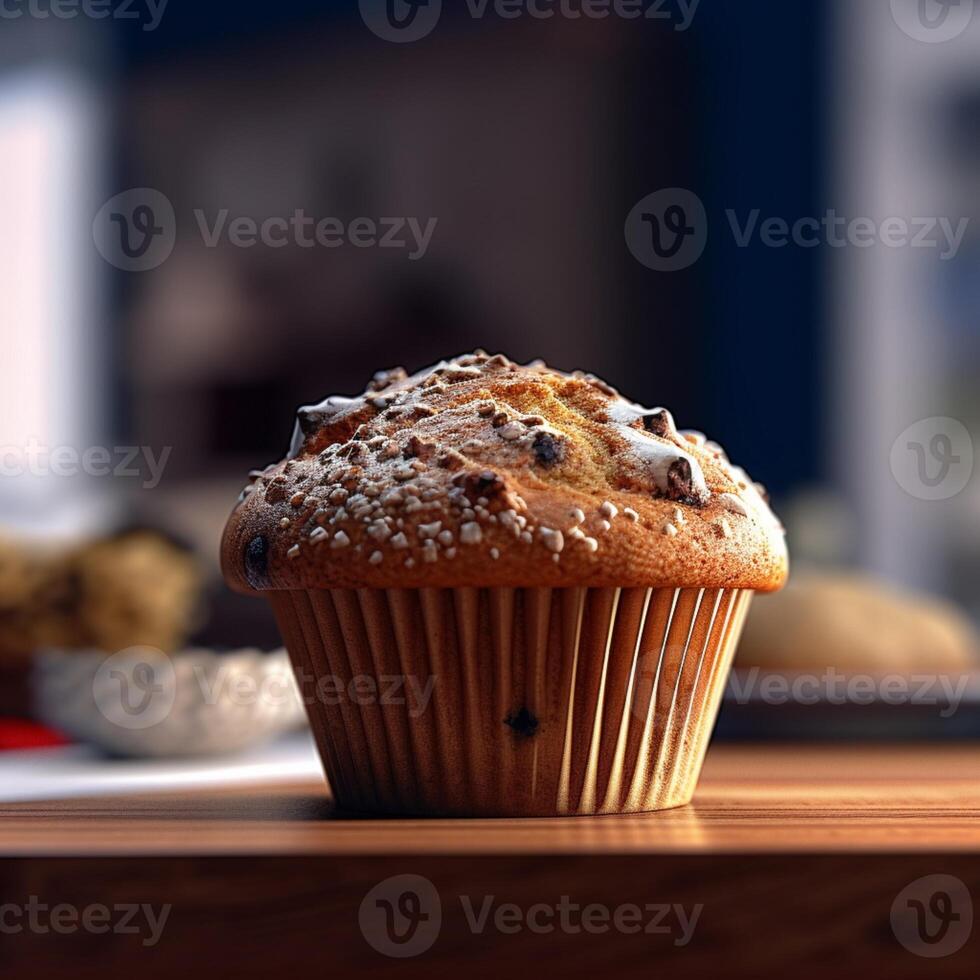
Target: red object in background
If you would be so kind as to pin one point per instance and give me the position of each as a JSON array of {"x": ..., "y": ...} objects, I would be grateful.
[{"x": 18, "y": 734}]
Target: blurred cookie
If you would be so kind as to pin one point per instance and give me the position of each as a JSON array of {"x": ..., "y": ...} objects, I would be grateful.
[
  {"x": 37, "y": 600},
  {"x": 135, "y": 589},
  {"x": 856, "y": 624},
  {"x": 132, "y": 589}
]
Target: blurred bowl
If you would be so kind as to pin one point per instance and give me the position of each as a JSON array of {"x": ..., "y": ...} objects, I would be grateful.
[{"x": 144, "y": 703}]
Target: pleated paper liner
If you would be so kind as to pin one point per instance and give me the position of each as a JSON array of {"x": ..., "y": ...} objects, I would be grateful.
[{"x": 511, "y": 702}]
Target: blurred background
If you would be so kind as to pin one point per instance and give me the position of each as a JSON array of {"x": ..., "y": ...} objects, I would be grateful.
[{"x": 819, "y": 365}]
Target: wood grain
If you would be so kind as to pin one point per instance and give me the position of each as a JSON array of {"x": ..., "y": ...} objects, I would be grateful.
[
  {"x": 757, "y": 799},
  {"x": 795, "y": 854}
]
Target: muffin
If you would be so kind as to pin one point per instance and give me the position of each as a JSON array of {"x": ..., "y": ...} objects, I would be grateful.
[{"x": 506, "y": 590}]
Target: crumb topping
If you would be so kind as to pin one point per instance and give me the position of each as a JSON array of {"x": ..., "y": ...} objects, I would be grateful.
[{"x": 474, "y": 452}]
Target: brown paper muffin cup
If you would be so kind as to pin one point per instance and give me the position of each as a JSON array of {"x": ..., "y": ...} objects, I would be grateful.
[{"x": 511, "y": 702}]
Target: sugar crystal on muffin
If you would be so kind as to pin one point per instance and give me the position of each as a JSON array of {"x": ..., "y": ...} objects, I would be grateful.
[{"x": 524, "y": 474}]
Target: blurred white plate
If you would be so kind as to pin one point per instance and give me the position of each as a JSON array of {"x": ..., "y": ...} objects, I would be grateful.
[
  {"x": 143, "y": 703},
  {"x": 81, "y": 770}
]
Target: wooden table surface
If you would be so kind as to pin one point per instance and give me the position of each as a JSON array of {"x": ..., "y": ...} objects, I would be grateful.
[
  {"x": 765, "y": 798},
  {"x": 796, "y": 856}
]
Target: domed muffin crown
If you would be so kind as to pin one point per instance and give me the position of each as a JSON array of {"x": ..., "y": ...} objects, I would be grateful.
[{"x": 482, "y": 472}]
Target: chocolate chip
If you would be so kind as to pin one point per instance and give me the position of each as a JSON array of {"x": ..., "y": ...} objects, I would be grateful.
[
  {"x": 679, "y": 479},
  {"x": 481, "y": 483},
  {"x": 523, "y": 723},
  {"x": 333, "y": 420},
  {"x": 660, "y": 423},
  {"x": 680, "y": 484},
  {"x": 548, "y": 449},
  {"x": 257, "y": 562},
  {"x": 308, "y": 420}
]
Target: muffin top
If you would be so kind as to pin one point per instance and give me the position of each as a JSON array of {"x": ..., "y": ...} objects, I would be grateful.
[{"x": 482, "y": 472}]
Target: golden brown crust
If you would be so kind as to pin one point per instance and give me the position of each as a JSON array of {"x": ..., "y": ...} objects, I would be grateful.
[{"x": 481, "y": 472}]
